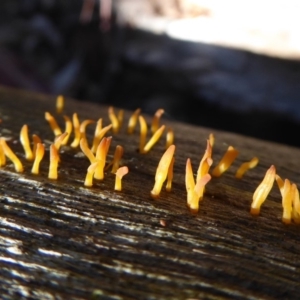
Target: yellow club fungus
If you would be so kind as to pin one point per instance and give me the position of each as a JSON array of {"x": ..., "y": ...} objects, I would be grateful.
[
  {"x": 204, "y": 167},
  {"x": 287, "y": 199},
  {"x": 143, "y": 133},
  {"x": 11, "y": 155},
  {"x": 212, "y": 139},
  {"x": 39, "y": 154},
  {"x": 296, "y": 204},
  {"x": 82, "y": 127},
  {"x": 59, "y": 140},
  {"x": 97, "y": 139},
  {"x": 68, "y": 129},
  {"x": 2, "y": 157},
  {"x": 245, "y": 167},
  {"x": 262, "y": 191},
  {"x": 155, "y": 121},
  {"x": 116, "y": 160},
  {"x": 280, "y": 183},
  {"x": 133, "y": 120},
  {"x": 99, "y": 134},
  {"x": 290, "y": 199},
  {"x": 53, "y": 124},
  {"x": 120, "y": 118},
  {"x": 154, "y": 139},
  {"x": 189, "y": 182},
  {"x": 90, "y": 174},
  {"x": 205, "y": 162},
  {"x": 107, "y": 145},
  {"x": 119, "y": 175},
  {"x": 169, "y": 138},
  {"x": 101, "y": 157},
  {"x": 36, "y": 139},
  {"x": 225, "y": 162},
  {"x": 54, "y": 159},
  {"x": 60, "y": 102},
  {"x": 24, "y": 139},
  {"x": 170, "y": 175},
  {"x": 162, "y": 171},
  {"x": 195, "y": 197},
  {"x": 194, "y": 191},
  {"x": 114, "y": 120},
  {"x": 76, "y": 126},
  {"x": 85, "y": 149}
]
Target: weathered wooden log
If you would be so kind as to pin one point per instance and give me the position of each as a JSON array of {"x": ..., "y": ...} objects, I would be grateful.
[{"x": 61, "y": 240}]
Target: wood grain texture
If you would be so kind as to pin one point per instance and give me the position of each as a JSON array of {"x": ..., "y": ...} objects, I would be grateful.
[{"x": 60, "y": 240}]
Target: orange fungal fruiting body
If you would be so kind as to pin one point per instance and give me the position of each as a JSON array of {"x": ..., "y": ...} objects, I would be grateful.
[
  {"x": 133, "y": 120},
  {"x": 263, "y": 190},
  {"x": 54, "y": 159},
  {"x": 162, "y": 171},
  {"x": 53, "y": 124},
  {"x": 39, "y": 154},
  {"x": 24, "y": 139},
  {"x": 11, "y": 155},
  {"x": 154, "y": 139},
  {"x": 119, "y": 175},
  {"x": 225, "y": 162},
  {"x": 246, "y": 166},
  {"x": 156, "y": 118},
  {"x": 60, "y": 102}
]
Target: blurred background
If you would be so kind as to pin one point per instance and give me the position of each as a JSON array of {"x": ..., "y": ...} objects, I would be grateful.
[{"x": 232, "y": 65}]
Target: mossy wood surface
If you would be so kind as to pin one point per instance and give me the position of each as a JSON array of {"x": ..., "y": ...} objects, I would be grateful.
[{"x": 60, "y": 240}]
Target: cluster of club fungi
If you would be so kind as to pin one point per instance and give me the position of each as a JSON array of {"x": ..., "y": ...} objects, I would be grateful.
[{"x": 97, "y": 155}]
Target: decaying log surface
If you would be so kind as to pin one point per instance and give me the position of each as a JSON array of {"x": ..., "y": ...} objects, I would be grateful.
[{"x": 60, "y": 240}]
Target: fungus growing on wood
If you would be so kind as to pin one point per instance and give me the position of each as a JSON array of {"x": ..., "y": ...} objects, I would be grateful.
[
  {"x": 119, "y": 175},
  {"x": 114, "y": 120},
  {"x": 11, "y": 155},
  {"x": 39, "y": 154},
  {"x": 287, "y": 199},
  {"x": 143, "y": 133},
  {"x": 82, "y": 127},
  {"x": 211, "y": 139},
  {"x": 133, "y": 120},
  {"x": 154, "y": 139},
  {"x": 99, "y": 134},
  {"x": 24, "y": 139},
  {"x": 2, "y": 157},
  {"x": 76, "y": 126},
  {"x": 169, "y": 138},
  {"x": 101, "y": 157},
  {"x": 59, "y": 140},
  {"x": 115, "y": 163},
  {"x": 262, "y": 191},
  {"x": 85, "y": 149},
  {"x": 54, "y": 159},
  {"x": 155, "y": 120},
  {"x": 68, "y": 129},
  {"x": 60, "y": 102},
  {"x": 296, "y": 204},
  {"x": 204, "y": 166},
  {"x": 290, "y": 199},
  {"x": 198, "y": 193},
  {"x": 170, "y": 175},
  {"x": 245, "y": 167},
  {"x": 162, "y": 171},
  {"x": 90, "y": 174},
  {"x": 36, "y": 139},
  {"x": 194, "y": 191},
  {"x": 53, "y": 124},
  {"x": 225, "y": 162},
  {"x": 120, "y": 118}
]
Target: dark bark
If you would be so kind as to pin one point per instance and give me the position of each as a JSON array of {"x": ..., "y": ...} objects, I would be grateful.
[{"x": 60, "y": 240}]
